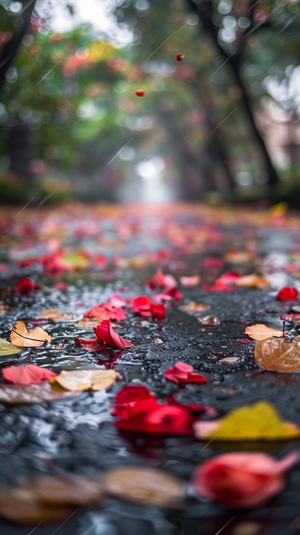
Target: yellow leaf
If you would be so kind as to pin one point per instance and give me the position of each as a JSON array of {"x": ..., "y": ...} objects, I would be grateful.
[
  {"x": 21, "y": 337},
  {"x": 86, "y": 379},
  {"x": 252, "y": 281},
  {"x": 261, "y": 332},
  {"x": 259, "y": 421}
]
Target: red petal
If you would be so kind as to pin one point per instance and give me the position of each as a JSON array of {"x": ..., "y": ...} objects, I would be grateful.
[
  {"x": 183, "y": 367},
  {"x": 128, "y": 397},
  {"x": 288, "y": 293},
  {"x": 26, "y": 375},
  {"x": 25, "y": 286},
  {"x": 156, "y": 418},
  {"x": 92, "y": 344},
  {"x": 105, "y": 332}
]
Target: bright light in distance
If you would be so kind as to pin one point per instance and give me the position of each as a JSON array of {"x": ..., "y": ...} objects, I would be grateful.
[{"x": 151, "y": 170}]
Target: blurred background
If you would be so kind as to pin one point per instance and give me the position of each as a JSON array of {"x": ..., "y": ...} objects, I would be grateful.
[{"x": 217, "y": 121}]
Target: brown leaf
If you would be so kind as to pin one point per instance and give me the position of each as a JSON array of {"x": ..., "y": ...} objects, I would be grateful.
[
  {"x": 253, "y": 281},
  {"x": 192, "y": 306},
  {"x": 19, "y": 504},
  {"x": 86, "y": 379},
  {"x": 21, "y": 337},
  {"x": 70, "y": 490},
  {"x": 87, "y": 323},
  {"x": 55, "y": 315},
  {"x": 23, "y": 395},
  {"x": 144, "y": 486},
  {"x": 280, "y": 355},
  {"x": 259, "y": 331}
]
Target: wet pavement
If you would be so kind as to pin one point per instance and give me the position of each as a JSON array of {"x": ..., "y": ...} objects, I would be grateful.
[{"x": 100, "y": 251}]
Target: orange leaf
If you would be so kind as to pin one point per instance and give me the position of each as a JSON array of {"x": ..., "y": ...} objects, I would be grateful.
[
  {"x": 21, "y": 337},
  {"x": 86, "y": 379},
  {"x": 253, "y": 281},
  {"x": 259, "y": 331},
  {"x": 279, "y": 355}
]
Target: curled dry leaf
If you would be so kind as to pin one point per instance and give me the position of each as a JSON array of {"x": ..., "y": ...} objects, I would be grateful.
[
  {"x": 194, "y": 307},
  {"x": 86, "y": 379},
  {"x": 21, "y": 337},
  {"x": 259, "y": 331},
  {"x": 19, "y": 504},
  {"x": 259, "y": 421},
  {"x": 7, "y": 349},
  {"x": 278, "y": 355},
  {"x": 24, "y": 395},
  {"x": 144, "y": 486}
]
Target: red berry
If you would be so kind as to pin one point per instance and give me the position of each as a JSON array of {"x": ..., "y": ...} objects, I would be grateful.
[
  {"x": 179, "y": 57},
  {"x": 140, "y": 92}
]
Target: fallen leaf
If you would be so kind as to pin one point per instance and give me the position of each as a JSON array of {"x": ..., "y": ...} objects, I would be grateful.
[
  {"x": 21, "y": 337},
  {"x": 259, "y": 421},
  {"x": 190, "y": 282},
  {"x": 56, "y": 315},
  {"x": 24, "y": 395},
  {"x": 279, "y": 355},
  {"x": 192, "y": 306},
  {"x": 259, "y": 331},
  {"x": 87, "y": 323},
  {"x": 6, "y": 348},
  {"x": 241, "y": 479},
  {"x": 144, "y": 486},
  {"x": 19, "y": 504},
  {"x": 86, "y": 379},
  {"x": 68, "y": 490},
  {"x": 253, "y": 281}
]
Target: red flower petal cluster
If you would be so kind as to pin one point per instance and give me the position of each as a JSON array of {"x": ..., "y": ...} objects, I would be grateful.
[
  {"x": 224, "y": 283},
  {"x": 25, "y": 286},
  {"x": 143, "y": 306},
  {"x": 106, "y": 333},
  {"x": 150, "y": 416},
  {"x": 288, "y": 293},
  {"x": 128, "y": 397},
  {"x": 241, "y": 479},
  {"x": 30, "y": 374},
  {"x": 184, "y": 373},
  {"x": 159, "y": 280}
]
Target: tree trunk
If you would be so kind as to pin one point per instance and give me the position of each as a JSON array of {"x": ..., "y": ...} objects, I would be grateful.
[
  {"x": 11, "y": 48},
  {"x": 232, "y": 63}
]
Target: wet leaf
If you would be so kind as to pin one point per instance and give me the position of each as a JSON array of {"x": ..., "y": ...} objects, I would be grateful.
[
  {"x": 69, "y": 490},
  {"x": 26, "y": 375},
  {"x": 261, "y": 332},
  {"x": 259, "y": 421},
  {"x": 86, "y": 379},
  {"x": 56, "y": 315},
  {"x": 192, "y": 306},
  {"x": 23, "y": 395},
  {"x": 253, "y": 281},
  {"x": 279, "y": 355},
  {"x": 19, "y": 504},
  {"x": 144, "y": 486},
  {"x": 6, "y": 348},
  {"x": 87, "y": 323},
  {"x": 21, "y": 337}
]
